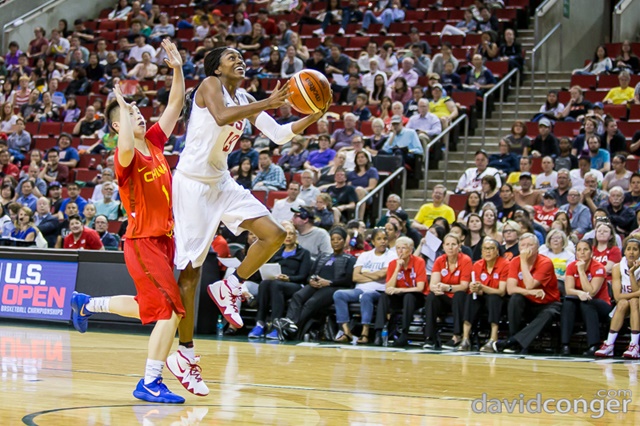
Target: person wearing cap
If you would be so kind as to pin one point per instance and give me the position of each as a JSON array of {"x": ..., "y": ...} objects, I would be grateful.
[
  {"x": 430, "y": 211},
  {"x": 310, "y": 237},
  {"x": 548, "y": 179},
  {"x": 471, "y": 179},
  {"x": 403, "y": 141},
  {"x": 526, "y": 195},
  {"x": 442, "y": 107},
  {"x": 545, "y": 143},
  {"x": 579, "y": 214},
  {"x": 545, "y": 214},
  {"x": 330, "y": 272},
  {"x": 283, "y": 209}
]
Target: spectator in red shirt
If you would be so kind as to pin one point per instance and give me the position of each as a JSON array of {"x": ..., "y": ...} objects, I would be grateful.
[
  {"x": 80, "y": 237},
  {"x": 38, "y": 46},
  {"x": 269, "y": 25},
  {"x": 535, "y": 297},
  {"x": 605, "y": 249},
  {"x": 546, "y": 213},
  {"x": 450, "y": 278},
  {"x": 8, "y": 169},
  {"x": 487, "y": 289},
  {"x": 406, "y": 278},
  {"x": 586, "y": 291}
]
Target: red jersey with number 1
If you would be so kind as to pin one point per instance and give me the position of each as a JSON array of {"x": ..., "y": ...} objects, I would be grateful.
[{"x": 145, "y": 189}]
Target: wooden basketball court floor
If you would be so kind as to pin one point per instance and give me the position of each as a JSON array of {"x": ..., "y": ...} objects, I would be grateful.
[{"x": 56, "y": 376}]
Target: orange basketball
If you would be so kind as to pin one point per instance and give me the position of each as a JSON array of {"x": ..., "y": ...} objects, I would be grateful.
[{"x": 310, "y": 91}]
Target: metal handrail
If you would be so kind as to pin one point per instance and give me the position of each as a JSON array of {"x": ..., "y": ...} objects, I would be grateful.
[
  {"x": 541, "y": 43},
  {"x": 379, "y": 188},
  {"x": 500, "y": 86},
  {"x": 427, "y": 147},
  {"x": 540, "y": 11}
]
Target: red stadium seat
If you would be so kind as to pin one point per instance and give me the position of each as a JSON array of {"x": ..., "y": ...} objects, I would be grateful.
[
  {"x": 566, "y": 128},
  {"x": 608, "y": 81},
  {"x": 585, "y": 81},
  {"x": 628, "y": 129},
  {"x": 594, "y": 96},
  {"x": 273, "y": 196},
  {"x": 634, "y": 113},
  {"x": 632, "y": 164},
  {"x": 260, "y": 196},
  {"x": 86, "y": 192},
  {"x": 114, "y": 226},
  {"x": 32, "y": 128},
  {"x": 52, "y": 129},
  {"x": 536, "y": 165},
  {"x": 457, "y": 202},
  {"x": 68, "y": 127},
  {"x": 43, "y": 144},
  {"x": 85, "y": 175},
  {"x": 499, "y": 68},
  {"x": 616, "y": 111},
  {"x": 85, "y": 160}
]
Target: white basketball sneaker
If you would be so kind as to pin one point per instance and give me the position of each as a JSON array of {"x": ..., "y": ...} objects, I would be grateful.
[
  {"x": 227, "y": 300},
  {"x": 605, "y": 351},
  {"x": 188, "y": 373},
  {"x": 632, "y": 353}
]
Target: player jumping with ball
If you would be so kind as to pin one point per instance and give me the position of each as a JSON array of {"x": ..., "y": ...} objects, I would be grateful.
[{"x": 205, "y": 193}]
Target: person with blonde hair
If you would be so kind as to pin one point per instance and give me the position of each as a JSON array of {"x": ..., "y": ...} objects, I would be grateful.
[{"x": 558, "y": 248}]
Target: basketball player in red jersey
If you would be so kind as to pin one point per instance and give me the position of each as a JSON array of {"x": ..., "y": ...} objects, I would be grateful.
[{"x": 144, "y": 179}]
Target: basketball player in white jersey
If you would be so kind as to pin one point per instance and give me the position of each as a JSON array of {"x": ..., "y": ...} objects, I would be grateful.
[
  {"x": 624, "y": 283},
  {"x": 205, "y": 194}
]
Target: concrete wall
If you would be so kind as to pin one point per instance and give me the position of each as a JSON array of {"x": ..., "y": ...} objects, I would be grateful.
[
  {"x": 586, "y": 27},
  {"x": 626, "y": 25},
  {"x": 47, "y": 17}
]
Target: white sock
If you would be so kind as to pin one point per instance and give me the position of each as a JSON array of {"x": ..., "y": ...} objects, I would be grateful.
[
  {"x": 611, "y": 339},
  {"x": 98, "y": 305},
  {"x": 233, "y": 282},
  {"x": 153, "y": 370},
  {"x": 634, "y": 338},
  {"x": 188, "y": 352}
]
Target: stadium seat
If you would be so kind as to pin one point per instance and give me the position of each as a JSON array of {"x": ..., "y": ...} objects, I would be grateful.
[
  {"x": 498, "y": 68},
  {"x": 536, "y": 165},
  {"x": 114, "y": 226},
  {"x": 260, "y": 196},
  {"x": 50, "y": 129},
  {"x": 616, "y": 111},
  {"x": 32, "y": 128},
  {"x": 608, "y": 81},
  {"x": 85, "y": 160},
  {"x": 85, "y": 175},
  {"x": 566, "y": 128},
  {"x": 632, "y": 164},
  {"x": 585, "y": 81},
  {"x": 273, "y": 196},
  {"x": 634, "y": 113},
  {"x": 457, "y": 202}
]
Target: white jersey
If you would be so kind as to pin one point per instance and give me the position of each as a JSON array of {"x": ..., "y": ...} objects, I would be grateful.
[
  {"x": 207, "y": 145},
  {"x": 625, "y": 281}
]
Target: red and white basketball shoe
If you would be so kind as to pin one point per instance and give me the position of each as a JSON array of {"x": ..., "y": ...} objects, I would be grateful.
[
  {"x": 188, "y": 373},
  {"x": 227, "y": 299}
]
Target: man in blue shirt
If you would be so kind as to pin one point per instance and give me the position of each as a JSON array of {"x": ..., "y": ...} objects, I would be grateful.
[
  {"x": 403, "y": 142},
  {"x": 270, "y": 177},
  {"x": 28, "y": 199},
  {"x": 600, "y": 158},
  {"x": 246, "y": 150},
  {"x": 74, "y": 195}
]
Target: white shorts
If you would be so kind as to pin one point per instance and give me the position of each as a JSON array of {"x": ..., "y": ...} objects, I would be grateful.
[{"x": 198, "y": 209}]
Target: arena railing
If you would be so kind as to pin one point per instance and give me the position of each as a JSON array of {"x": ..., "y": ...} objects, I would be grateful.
[
  {"x": 538, "y": 46},
  {"x": 500, "y": 86},
  {"x": 399, "y": 171},
  {"x": 446, "y": 136}
]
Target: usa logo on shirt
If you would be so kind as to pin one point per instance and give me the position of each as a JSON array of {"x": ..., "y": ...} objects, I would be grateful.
[
  {"x": 495, "y": 276},
  {"x": 483, "y": 277},
  {"x": 445, "y": 272},
  {"x": 457, "y": 274},
  {"x": 599, "y": 271},
  {"x": 519, "y": 275}
]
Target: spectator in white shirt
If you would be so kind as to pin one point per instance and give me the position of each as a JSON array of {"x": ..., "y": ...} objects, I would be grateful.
[
  {"x": 282, "y": 208},
  {"x": 471, "y": 179},
  {"x": 407, "y": 72},
  {"x": 548, "y": 179},
  {"x": 135, "y": 54},
  {"x": 308, "y": 192}
]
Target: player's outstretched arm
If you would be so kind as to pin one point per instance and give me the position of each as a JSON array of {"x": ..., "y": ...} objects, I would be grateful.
[
  {"x": 282, "y": 134},
  {"x": 126, "y": 139},
  {"x": 210, "y": 94},
  {"x": 172, "y": 113}
]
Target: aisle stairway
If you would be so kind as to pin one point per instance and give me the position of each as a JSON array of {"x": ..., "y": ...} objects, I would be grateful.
[{"x": 456, "y": 164}]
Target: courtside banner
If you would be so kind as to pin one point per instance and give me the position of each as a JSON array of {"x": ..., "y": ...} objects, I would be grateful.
[{"x": 36, "y": 289}]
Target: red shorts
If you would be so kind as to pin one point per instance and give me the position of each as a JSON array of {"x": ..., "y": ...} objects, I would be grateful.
[{"x": 150, "y": 264}]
